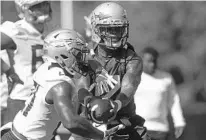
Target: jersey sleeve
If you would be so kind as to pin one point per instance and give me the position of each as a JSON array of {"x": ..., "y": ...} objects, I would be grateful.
[
  {"x": 175, "y": 106},
  {"x": 5, "y": 63},
  {"x": 51, "y": 77},
  {"x": 9, "y": 28}
]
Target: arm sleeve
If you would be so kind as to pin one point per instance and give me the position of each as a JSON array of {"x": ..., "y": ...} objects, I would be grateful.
[
  {"x": 175, "y": 106},
  {"x": 7, "y": 42},
  {"x": 130, "y": 80},
  {"x": 5, "y": 63}
]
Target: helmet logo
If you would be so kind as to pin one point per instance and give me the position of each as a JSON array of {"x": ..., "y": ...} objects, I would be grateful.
[
  {"x": 124, "y": 14},
  {"x": 94, "y": 107},
  {"x": 101, "y": 16}
]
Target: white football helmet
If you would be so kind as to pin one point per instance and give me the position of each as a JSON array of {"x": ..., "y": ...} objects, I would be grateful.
[
  {"x": 67, "y": 48},
  {"x": 110, "y": 25},
  {"x": 34, "y": 11}
]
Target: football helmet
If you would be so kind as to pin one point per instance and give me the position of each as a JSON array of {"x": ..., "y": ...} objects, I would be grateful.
[
  {"x": 34, "y": 11},
  {"x": 110, "y": 25},
  {"x": 67, "y": 48}
]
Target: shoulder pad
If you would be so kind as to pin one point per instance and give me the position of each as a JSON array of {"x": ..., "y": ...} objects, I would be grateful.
[
  {"x": 44, "y": 75},
  {"x": 9, "y": 28},
  {"x": 7, "y": 42},
  {"x": 129, "y": 46},
  {"x": 130, "y": 53}
]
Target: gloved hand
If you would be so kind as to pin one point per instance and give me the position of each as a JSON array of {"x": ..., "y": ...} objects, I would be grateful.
[
  {"x": 13, "y": 77},
  {"x": 116, "y": 106},
  {"x": 105, "y": 82},
  {"x": 179, "y": 131},
  {"x": 111, "y": 134},
  {"x": 117, "y": 137}
]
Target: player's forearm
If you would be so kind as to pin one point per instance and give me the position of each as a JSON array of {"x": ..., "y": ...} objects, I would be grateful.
[
  {"x": 130, "y": 81},
  {"x": 4, "y": 67},
  {"x": 176, "y": 112},
  {"x": 62, "y": 100},
  {"x": 7, "y": 42},
  {"x": 84, "y": 128},
  {"x": 126, "y": 96}
]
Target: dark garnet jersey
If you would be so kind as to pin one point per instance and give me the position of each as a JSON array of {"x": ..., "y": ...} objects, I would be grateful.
[{"x": 122, "y": 65}]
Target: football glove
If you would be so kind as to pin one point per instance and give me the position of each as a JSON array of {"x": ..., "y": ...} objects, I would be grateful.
[{"x": 111, "y": 134}]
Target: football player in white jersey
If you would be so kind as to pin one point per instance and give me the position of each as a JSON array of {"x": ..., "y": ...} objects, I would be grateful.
[
  {"x": 23, "y": 41},
  {"x": 51, "y": 100},
  {"x": 5, "y": 65}
]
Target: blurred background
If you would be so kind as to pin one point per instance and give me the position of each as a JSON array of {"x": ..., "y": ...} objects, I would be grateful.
[{"x": 177, "y": 29}]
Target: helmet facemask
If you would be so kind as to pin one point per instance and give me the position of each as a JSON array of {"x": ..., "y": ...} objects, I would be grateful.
[
  {"x": 38, "y": 13},
  {"x": 113, "y": 36},
  {"x": 80, "y": 65}
]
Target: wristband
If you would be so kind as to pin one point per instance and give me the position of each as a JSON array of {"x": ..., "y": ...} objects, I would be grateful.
[{"x": 119, "y": 104}]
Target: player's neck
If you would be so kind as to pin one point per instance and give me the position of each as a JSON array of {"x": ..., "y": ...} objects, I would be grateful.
[
  {"x": 105, "y": 52},
  {"x": 151, "y": 73}
]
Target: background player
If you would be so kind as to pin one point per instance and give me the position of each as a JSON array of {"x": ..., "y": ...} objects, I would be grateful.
[{"x": 23, "y": 41}]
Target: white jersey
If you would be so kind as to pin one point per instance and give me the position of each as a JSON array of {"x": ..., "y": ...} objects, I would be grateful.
[
  {"x": 27, "y": 55},
  {"x": 155, "y": 97},
  {"x": 5, "y": 65},
  {"x": 38, "y": 119}
]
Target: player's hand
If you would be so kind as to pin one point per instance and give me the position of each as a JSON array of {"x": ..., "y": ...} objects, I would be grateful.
[
  {"x": 13, "y": 77},
  {"x": 105, "y": 82},
  {"x": 111, "y": 133},
  {"x": 116, "y": 106},
  {"x": 117, "y": 137},
  {"x": 178, "y": 131}
]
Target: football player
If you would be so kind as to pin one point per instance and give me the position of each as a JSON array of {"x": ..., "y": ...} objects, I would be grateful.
[
  {"x": 5, "y": 65},
  {"x": 51, "y": 100},
  {"x": 118, "y": 70},
  {"x": 23, "y": 42}
]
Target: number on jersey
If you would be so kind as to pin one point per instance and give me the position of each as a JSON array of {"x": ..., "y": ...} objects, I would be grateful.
[
  {"x": 30, "y": 102},
  {"x": 37, "y": 52}
]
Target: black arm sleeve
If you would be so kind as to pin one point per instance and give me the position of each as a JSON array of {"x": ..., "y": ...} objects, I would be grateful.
[
  {"x": 7, "y": 42},
  {"x": 130, "y": 80}
]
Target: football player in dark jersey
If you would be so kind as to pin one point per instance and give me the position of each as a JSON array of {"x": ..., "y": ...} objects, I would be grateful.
[{"x": 117, "y": 73}]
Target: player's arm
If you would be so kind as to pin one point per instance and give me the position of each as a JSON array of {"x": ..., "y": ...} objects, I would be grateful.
[
  {"x": 82, "y": 82},
  {"x": 130, "y": 81},
  {"x": 7, "y": 42},
  {"x": 62, "y": 100},
  {"x": 176, "y": 109},
  {"x": 4, "y": 66}
]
